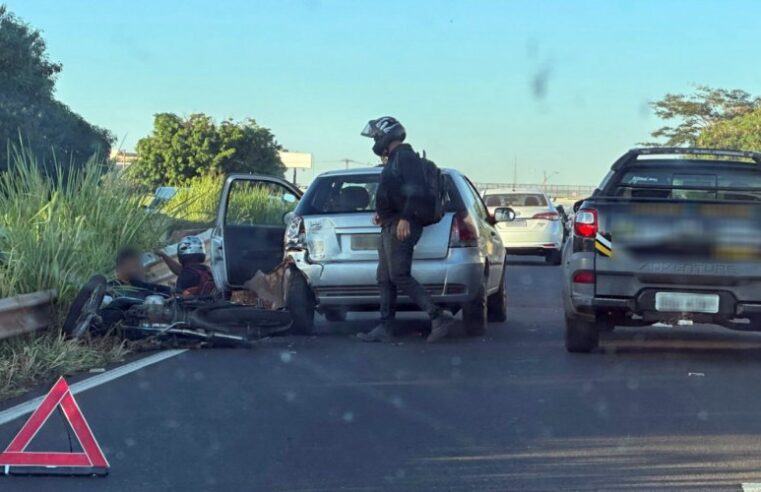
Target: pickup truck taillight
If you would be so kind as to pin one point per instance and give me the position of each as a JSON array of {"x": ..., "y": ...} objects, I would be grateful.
[
  {"x": 295, "y": 234},
  {"x": 584, "y": 277},
  {"x": 547, "y": 216},
  {"x": 585, "y": 223},
  {"x": 464, "y": 233}
]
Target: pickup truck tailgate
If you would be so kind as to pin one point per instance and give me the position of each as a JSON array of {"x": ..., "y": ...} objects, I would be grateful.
[{"x": 676, "y": 245}]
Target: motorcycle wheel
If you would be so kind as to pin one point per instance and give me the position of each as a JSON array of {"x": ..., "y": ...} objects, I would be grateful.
[
  {"x": 84, "y": 309},
  {"x": 246, "y": 322}
]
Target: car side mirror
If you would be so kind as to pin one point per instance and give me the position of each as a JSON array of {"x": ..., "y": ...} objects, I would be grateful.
[{"x": 504, "y": 214}]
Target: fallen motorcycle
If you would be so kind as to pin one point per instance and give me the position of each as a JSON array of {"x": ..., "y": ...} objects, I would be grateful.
[{"x": 99, "y": 308}]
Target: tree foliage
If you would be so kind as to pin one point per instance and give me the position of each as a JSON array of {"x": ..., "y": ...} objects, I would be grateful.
[
  {"x": 28, "y": 110},
  {"x": 181, "y": 149},
  {"x": 739, "y": 133},
  {"x": 689, "y": 115}
]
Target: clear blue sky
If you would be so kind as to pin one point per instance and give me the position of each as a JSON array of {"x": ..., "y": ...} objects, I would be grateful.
[{"x": 461, "y": 75}]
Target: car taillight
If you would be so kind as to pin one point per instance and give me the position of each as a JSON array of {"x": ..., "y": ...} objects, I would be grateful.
[
  {"x": 464, "y": 233},
  {"x": 584, "y": 277},
  {"x": 295, "y": 234},
  {"x": 585, "y": 223},
  {"x": 547, "y": 216}
]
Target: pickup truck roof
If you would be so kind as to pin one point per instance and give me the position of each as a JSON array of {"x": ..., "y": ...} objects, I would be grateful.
[{"x": 634, "y": 155}]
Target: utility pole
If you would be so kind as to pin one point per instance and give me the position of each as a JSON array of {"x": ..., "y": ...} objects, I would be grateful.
[
  {"x": 547, "y": 177},
  {"x": 515, "y": 172}
]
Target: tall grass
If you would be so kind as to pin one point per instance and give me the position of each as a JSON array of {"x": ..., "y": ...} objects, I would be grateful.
[
  {"x": 249, "y": 203},
  {"x": 56, "y": 231},
  {"x": 196, "y": 205},
  {"x": 27, "y": 361}
]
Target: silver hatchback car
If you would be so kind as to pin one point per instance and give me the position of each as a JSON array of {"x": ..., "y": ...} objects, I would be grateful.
[{"x": 330, "y": 236}]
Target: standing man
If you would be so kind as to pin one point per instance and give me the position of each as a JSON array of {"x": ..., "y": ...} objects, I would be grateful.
[{"x": 401, "y": 189}]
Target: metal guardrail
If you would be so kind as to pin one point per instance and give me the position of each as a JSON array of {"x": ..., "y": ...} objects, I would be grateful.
[{"x": 26, "y": 313}]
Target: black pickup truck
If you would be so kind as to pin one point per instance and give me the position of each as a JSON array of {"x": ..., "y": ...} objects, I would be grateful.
[{"x": 670, "y": 234}]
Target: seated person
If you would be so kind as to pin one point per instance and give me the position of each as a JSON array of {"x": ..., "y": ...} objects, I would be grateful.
[
  {"x": 194, "y": 278},
  {"x": 130, "y": 274}
]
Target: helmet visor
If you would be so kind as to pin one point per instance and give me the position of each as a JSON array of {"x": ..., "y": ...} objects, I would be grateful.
[{"x": 371, "y": 130}]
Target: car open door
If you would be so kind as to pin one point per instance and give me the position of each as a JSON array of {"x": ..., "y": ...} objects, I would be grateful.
[{"x": 248, "y": 235}]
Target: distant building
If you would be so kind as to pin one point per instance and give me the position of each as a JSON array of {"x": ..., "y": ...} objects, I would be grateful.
[{"x": 122, "y": 158}]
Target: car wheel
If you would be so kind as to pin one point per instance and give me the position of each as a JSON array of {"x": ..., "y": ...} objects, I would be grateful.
[
  {"x": 497, "y": 302},
  {"x": 474, "y": 314},
  {"x": 335, "y": 315},
  {"x": 300, "y": 302},
  {"x": 554, "y": 257},
  {"x": 581, "y": 335}
]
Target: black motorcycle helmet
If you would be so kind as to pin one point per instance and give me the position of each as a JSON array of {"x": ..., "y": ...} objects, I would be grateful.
[{"x": 384, "y": 130}]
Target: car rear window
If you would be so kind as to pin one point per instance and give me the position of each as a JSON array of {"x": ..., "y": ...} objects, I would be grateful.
[
  {"x": 682, "y": 184},
  {"x": 342, "y": 194},
  {"x": 515, "y": 200}
]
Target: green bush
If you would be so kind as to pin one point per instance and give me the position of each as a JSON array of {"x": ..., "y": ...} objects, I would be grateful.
[{"x": 55, "y": 232}]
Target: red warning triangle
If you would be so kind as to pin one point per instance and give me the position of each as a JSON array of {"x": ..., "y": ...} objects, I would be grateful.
[{"x": 92, "y": 457}]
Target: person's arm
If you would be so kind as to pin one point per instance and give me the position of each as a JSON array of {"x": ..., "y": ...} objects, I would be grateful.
[{"x": 173, "y": 264}]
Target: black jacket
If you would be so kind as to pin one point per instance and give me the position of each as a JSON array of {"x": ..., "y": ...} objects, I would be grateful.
[{"x": 401, "y": 186}]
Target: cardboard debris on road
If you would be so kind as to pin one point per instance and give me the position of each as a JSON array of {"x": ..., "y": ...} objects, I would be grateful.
[{"x": 269, "y": 288}]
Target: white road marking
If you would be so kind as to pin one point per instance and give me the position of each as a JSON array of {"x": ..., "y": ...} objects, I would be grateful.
[
  {"x": 28, "y": 407},
  {"x": 751, "y": 487}
]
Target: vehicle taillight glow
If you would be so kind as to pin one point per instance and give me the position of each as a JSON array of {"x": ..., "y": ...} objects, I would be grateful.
[
  {"x": 547, "y": 216},
  {"x": 584, "y": 277},
  {"x": 464, "y": 233},
  {"x": 585, "y": 223},
  {"x": 295, "y": 234}
]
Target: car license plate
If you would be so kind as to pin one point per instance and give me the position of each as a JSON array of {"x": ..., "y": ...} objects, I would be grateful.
[
  {"x": 516, "y": 223},
  {"x": 365, "y": 242},
  {"x": 678, "y": 302}
]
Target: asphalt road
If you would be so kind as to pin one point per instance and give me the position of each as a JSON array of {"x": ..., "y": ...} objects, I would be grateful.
[{"x": 659, "y": 409}]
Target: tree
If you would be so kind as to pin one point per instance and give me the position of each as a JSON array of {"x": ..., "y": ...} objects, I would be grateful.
[
  {"x": 694, "y": 113},
  {"x": 739, "y": 133},
  {"x": 28, "y": 111},
  {"x": 179, "y": 150}
]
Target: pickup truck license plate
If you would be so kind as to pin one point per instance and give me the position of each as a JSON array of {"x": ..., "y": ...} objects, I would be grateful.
[
  {"x": 686, "y": 303},
  {"x": 365, "y": 242}
]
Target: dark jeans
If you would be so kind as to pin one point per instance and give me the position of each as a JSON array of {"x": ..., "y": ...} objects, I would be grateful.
[{"x": 394, "y": 271}]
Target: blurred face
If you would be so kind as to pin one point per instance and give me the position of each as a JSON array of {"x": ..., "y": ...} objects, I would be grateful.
[{"x": 130, "y": 269}]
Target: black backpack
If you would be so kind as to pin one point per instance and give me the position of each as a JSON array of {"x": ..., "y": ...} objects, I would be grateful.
[{"x": 433, "y": 201}]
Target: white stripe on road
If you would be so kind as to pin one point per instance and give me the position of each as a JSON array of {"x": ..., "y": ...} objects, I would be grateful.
[
  {"x": 751, "y": 487},
  {"x": 28, "y": 407}
]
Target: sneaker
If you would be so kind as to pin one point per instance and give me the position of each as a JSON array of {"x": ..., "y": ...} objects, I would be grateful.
[
  {"x": 378, "y": 334},
  {"x": 440, "y": 327}
]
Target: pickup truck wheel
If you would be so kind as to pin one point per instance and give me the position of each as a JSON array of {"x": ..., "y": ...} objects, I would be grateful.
[
  {"x": 497, "y": 302},
  {"x": 474, "y": 314},
  {"x": 300, "y": 302},
  {"x": 581, "y": 335},
  {"x": 554, "y": 257},
  {"x": 335, "y": 315}
]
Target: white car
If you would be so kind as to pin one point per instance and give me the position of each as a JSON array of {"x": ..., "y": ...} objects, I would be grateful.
[{"x": 537, "y": 228}]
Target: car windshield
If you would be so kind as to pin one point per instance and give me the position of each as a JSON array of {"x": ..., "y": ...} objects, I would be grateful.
[
  {"x": 351, "y": 193},
  {"x": 681, "y": 184},
  {"x": 515, "y": 200},
  {"x": 340, "y": 194}
]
